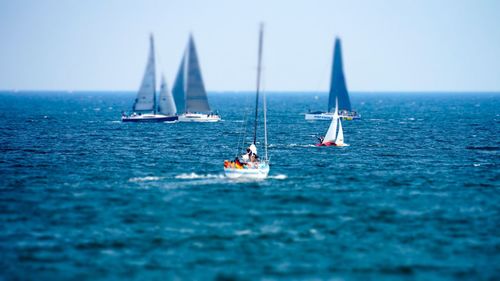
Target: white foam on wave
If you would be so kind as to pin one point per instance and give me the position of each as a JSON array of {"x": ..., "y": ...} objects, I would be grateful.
[
  {"x": 300, "y": 145},
  {"x": 278, "y": 177},
  {"x": 142, "y": 179},
  {"x": 243, "y": 232},
  {"x": 191, "y": 176}
]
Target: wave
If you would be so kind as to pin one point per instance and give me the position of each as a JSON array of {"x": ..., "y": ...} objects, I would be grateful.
[
  {"x": 142, "y": 179},
  {"x": 278, "y": 177},
  {"x": 300, "y": 145},
  {"x": 191, "y": 176},
  {"x": 195, "y": 176}
]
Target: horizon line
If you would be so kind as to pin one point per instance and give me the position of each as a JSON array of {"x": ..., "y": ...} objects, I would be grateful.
[{"x": 269, "y": 91}]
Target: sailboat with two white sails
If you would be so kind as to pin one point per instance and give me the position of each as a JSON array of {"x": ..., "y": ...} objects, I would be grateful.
[
  {"x": 146, "y": 107},
  {"x": 335, "y": 134}
]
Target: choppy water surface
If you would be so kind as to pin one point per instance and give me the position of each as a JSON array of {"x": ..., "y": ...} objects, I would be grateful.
[{"x": 415, "y": 196}]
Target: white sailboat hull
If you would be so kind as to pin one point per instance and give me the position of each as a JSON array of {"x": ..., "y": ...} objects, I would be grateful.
[
  {"x": 260, "y": 172},
  {"x": 149, "y": 118},
  {"x": 323, "y": 116},
  {"x": 199, "y": 117},
  {"x": 327, "y": 116}
]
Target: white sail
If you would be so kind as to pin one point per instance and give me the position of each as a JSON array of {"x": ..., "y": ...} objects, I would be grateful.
[
  {"x": 340, "y": 136},
  {"x": 332, "y": 130},
  {"x": 146, "y": 96},
  {"x": 166, "y": 104}
]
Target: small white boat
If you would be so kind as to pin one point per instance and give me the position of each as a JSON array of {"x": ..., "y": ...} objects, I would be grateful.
[
  {"x": 199, "y": 117},
  {"x": 334, "y": 137},
  {"x": 252, "y": 167},
  {"x": 338, "y": 91},
  {"x": 189, "y": 90}
]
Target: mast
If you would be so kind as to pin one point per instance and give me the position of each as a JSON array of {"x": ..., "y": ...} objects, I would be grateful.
[
  {"x": 154, "y": 73},
  {"x": 261, "y": 33},
  {"x": 265, "y": 123}
]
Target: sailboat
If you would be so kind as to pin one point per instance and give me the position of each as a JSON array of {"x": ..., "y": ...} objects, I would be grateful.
[
  {"x": 189, "y": 91},
  {"x": 249, "y": 165},
  {"x": 145, "y": 107},
  {"x": 338, "y": 91},
  {"x": 333, "y": 136}
]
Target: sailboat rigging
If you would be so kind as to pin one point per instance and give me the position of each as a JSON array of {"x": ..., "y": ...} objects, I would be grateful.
[{"x": 249, "y": 165}]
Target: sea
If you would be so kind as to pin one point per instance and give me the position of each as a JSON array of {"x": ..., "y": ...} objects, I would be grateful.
[{"x": 416, "y": 195}]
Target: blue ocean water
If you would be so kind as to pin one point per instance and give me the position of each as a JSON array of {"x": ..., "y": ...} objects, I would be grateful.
[{"x": 415, "y": 196}]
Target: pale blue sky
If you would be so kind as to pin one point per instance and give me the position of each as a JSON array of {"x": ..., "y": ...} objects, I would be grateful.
[{"x": 393, "y": 45}]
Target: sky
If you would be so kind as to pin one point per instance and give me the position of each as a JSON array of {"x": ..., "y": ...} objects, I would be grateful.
[{"x": 388, "y": 45}]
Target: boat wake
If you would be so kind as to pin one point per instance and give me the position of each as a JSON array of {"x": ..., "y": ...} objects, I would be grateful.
[
  {"x": 192, "y": 176},
  {"x": 143, "y": 179},
  {"x": 195, "y": 176}
]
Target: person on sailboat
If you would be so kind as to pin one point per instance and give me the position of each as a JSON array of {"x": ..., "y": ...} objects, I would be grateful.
[
  {"x": 251, "y": 154},
  {"x": 321, "y": 139}
]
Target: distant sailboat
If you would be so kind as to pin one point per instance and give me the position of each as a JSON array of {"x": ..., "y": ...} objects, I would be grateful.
[
  {"x": 189, "y": 91},
  {"x": 334, "y": 137},
  {"x": 145, "y": 107},
  {"x": 338, "y": 91},
  {"x": 250, "y": 166}
]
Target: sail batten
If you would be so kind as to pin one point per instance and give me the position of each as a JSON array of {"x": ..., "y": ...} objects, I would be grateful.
[
  {"x": 166, "y": 104},
  {"x": 146, "y": 96},
  {"x": 338, "y": 87}
]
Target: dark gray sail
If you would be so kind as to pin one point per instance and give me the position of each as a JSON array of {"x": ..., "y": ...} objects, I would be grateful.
[
  {"x": 179, "y": 89},
  {"x": 146, "y": 96},
  {"x": 338, "y": 88},
  {"x": 166, "y": 103},
  {"x": 196, "y": 96}
]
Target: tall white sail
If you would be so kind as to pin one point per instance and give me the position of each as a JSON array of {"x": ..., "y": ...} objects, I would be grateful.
[
  {"x": 166, "y": 104},
  {"x": 146, "y": 96},
  {"x": 332, "y": 130}
]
